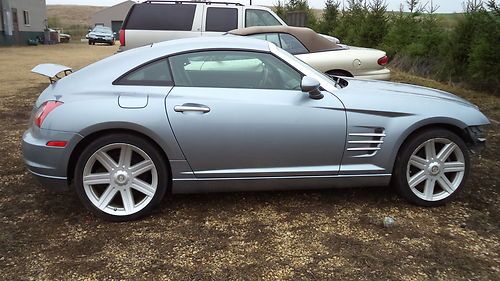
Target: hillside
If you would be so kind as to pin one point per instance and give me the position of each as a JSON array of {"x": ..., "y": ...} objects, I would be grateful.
[{"x": 68, "y": 15}]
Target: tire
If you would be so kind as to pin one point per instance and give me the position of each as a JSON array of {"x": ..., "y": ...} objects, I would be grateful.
[
  {"x": 90, "y": 42},
  {"x": 117, "y": 189},
  {"x": 428, "y": 177}
]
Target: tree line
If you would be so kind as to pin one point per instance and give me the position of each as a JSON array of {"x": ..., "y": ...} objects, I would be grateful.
[{"x": 415, "y": 37}]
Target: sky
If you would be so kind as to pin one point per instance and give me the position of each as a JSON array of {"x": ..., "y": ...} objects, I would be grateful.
[{"x": 446, "y": 6}]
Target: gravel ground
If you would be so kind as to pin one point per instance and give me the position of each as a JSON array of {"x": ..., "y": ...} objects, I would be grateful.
[{"x": 310, "y": 235}]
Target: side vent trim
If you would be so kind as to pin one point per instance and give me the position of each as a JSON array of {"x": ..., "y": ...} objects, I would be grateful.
[{"x": 364, "y": 144}]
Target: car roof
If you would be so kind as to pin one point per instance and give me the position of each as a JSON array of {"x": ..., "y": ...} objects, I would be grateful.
[
  {"x": 215, "y": 42},
  {"x": 101, "y": 72},
  {"x": 313, "y": 41}
]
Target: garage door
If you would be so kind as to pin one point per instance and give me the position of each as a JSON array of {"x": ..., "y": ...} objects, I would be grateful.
[{"x": 115, "y": 26}]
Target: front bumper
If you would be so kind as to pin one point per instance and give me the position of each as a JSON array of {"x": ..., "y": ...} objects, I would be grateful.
[
  {"x": 101, "y": 40},
  {"x": 48, "y": 164},
  {"x": 477, "y": 138}
]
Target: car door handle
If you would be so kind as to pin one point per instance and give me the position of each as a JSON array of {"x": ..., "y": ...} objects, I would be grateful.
[{"x": 192, "y": 107}]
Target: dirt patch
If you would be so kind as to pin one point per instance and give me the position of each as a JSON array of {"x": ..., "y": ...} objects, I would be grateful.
[{"x": 315, "y": 235}]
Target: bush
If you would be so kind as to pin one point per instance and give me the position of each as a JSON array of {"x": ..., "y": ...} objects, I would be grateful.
[
  {"x": 419, "y": 41},
  {"x": 472, "y": 53}
]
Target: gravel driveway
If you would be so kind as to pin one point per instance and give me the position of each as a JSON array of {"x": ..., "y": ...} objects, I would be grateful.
[{"x": 312, "y": 235}]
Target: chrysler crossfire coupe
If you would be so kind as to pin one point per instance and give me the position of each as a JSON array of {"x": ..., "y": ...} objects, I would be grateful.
[{"x": 232, "y": 113}]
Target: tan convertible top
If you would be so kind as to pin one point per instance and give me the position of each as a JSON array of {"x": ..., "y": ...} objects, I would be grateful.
[{"x": 308, "y": 37}]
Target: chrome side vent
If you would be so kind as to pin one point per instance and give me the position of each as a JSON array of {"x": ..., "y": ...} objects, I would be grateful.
[{"x": 365, "y": 144}]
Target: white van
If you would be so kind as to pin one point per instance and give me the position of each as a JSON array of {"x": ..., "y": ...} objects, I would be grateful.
[{"x": 155, "y": 21}]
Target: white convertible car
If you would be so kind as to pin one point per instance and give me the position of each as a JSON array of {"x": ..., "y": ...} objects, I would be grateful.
[{"x": 323, "y": 54}]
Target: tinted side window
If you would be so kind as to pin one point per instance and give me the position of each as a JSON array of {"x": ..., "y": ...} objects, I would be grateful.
[
  {"x": 233, "y": 69},
  {"x": 292, "y": 45},
  {"x": 161, "y": 17},
  {"x": 221, "y": 19},
  {"x": 154, "y": 74},
  {"x": 271, "y": 37},
  {"x": 259, "y": 18}
]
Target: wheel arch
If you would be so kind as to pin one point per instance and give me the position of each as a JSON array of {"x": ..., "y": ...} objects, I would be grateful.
[
  {"x": 80, "y": 146},
  {"x": 450, "y": 124},
  {"x": 335, "y": 71}
]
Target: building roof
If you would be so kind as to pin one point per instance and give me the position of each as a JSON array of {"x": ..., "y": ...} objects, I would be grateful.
[
  {"x": 127, "y": 4},
  {"x": 313, "y": 41}
]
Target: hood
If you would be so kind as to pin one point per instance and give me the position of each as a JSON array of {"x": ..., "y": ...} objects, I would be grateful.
[{"x": 409, "y": 90}]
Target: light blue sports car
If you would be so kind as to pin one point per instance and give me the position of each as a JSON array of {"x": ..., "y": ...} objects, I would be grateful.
[{"x": 233, "y": 113}]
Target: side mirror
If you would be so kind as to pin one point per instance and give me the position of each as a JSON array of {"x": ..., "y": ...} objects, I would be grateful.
[
  {"x": 90, "y": 30},
  {"x": 311, "y": 86}
]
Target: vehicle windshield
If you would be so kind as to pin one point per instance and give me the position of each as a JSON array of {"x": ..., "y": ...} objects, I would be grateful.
[
  {"x": 336, "y": 80},
  {"x": 102, "y": 29}
]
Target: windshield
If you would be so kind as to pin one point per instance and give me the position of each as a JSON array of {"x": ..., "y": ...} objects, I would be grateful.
[
  {"x": 102, "y": 29},
  {"x": 338, "y": 82}
]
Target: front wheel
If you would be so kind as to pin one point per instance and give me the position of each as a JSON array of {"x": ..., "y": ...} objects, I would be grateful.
[
  {"x": 432, "y": 167},
  {"x": 121, "y": 177}
]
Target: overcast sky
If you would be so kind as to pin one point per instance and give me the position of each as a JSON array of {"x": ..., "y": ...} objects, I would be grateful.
[{"x": 446, "y": 6}]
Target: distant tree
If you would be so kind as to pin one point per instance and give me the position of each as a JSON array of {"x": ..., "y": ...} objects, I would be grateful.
[
  {"x": 331, "y": 17},
  {"x": 280, "y": 10},
  {"x": 431, "y": 8},
  {"x": 302, "y": 6},
  {"x": 494, "y": 7},
  {"x": 472, "y": 6},
  {"x": 375, "y": 26},
  {"x": 416, "y": 7},
  {"x": 352, "y": 25}
]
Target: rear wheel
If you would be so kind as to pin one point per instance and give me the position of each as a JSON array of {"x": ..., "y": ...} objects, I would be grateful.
[
  {"x": 432, "y": 167},
  {"x": 121, "y": 177}
]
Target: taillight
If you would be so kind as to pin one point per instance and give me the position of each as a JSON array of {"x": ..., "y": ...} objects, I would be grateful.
[
  {"x": 44, "y": 110},
  {"x": 383, "y": 60},
  {"x": 122, "y": 37},
  {"x": 57, "y": 143}
]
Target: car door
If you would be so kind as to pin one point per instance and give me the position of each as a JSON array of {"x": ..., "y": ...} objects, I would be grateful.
[{"x": 242, "y": 114}]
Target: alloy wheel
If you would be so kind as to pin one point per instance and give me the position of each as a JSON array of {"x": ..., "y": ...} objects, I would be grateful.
[
  {"x": 436, "y": 169},
  {"x": 120, "y": 179}
]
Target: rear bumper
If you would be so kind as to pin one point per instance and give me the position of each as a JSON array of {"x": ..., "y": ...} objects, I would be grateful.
[
  {"x": 48, "y": 164},
  {"x": 382, "y": 74},
  {"x": 51, "y": 182}
]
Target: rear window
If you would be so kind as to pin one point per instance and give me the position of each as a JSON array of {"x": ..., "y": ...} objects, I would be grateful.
[
  {"x": 153, "y": 74},
  {"x": 161, "y": 17},
  {"x": 292, "y": 45},
  {"x": 221, "y": 19},
  {"x": 271, "y": 37}
]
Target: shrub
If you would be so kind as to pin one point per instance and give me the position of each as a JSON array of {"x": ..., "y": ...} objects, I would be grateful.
[{"x": 421, "y": 42}]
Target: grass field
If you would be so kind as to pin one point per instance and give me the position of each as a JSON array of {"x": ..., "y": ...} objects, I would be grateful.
[
  {"x": 308, "y": 235},
  {"x": 73, "y": 14}
]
